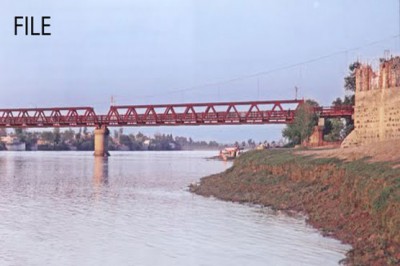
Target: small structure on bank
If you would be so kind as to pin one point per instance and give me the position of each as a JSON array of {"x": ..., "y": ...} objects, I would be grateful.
[{"x": 229, "y": 153}]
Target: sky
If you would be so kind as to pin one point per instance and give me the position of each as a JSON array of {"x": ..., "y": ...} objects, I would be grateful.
[{"x": 173, "y": 51}]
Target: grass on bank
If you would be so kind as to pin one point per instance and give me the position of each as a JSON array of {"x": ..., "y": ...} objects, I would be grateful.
[{"x": 366, "y": 171}]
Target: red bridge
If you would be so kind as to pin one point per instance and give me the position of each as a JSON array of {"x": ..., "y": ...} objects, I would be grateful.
[
  {"x": 227, "y": 113},
  {"x": 223, "y": 113}
]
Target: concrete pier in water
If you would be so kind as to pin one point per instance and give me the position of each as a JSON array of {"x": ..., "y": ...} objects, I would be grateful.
[{"x": 101, "y": 141}]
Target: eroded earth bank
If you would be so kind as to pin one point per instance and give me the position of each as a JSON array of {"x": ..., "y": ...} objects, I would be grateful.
[{"x": 355, "y": 200}]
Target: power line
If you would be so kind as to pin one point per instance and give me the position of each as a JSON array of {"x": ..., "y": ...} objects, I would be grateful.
[{"x": 270, "y": 71}]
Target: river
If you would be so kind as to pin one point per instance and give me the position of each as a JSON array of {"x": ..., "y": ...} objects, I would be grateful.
[{"x": 69, "y": 208}]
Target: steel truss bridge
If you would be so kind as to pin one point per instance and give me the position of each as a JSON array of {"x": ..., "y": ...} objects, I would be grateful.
[{"x": 217, "y": 113}]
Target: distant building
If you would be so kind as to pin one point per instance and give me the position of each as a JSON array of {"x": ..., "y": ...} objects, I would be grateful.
[
  {"x": 146, "y": 144},
  {"x": 172, "y": 145},
  {"x": 42, "y": 141},
  {"x": 13, "y": 144}
]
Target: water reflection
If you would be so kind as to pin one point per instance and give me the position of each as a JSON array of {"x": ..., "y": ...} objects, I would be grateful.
[
  {"x": 69, "y": 208},
  {"x": 100, "y": 171}
]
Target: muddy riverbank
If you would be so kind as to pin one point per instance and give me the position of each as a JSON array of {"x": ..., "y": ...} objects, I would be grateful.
[{"x": 357, "y": 201}]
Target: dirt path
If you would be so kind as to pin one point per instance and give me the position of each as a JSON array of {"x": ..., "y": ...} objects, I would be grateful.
[{"x": 385, "y": 151}]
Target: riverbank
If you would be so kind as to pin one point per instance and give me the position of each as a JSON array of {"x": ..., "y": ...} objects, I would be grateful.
[{"x": 356, "y": 201}]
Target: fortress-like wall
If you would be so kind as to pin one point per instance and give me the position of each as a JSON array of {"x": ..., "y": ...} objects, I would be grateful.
[{"x": 377, "y": 104}]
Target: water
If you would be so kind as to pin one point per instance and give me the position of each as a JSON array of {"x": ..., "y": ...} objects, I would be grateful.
[{"x": 69, "y": 208}]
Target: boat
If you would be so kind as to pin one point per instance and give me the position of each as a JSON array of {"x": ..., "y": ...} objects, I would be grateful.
[
  {"x": 261, "y": 147},
  {"x": 229, "y": 153}
]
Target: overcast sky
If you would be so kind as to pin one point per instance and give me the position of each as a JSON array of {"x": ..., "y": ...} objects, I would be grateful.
[{"x": 148, "y": 52}]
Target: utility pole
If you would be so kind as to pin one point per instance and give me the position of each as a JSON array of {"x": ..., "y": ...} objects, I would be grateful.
[{"x": 297, "y": 89}]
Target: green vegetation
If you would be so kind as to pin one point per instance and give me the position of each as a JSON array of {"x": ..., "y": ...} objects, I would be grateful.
[
  {"x": 83, "y": 139},
  {"x": 303, "y": 124},
  {"x": 350, "y": 80},
  {"x": 336, "y": 129},
  {"x": 340, "y": 130}
]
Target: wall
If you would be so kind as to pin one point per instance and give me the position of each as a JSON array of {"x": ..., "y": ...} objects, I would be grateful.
[{"x": 377, "y": 104}]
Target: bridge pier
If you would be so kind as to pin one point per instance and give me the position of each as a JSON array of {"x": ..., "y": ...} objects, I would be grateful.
[
  {"x": 320, "y": 130},
  {"x": 101, "y": 141},
  {"x": 317, "y": 137}
]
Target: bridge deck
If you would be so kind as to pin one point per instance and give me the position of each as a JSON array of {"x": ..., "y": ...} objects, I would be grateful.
[{"x": 223, "y": 113}]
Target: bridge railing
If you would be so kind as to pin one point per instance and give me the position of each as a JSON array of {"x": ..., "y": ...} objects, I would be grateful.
[
  {"x": 335, "y": 111},
  {"x": 216, "y": 118},
  {"x": 259, "y": 112},
  {"x": 48, "y": 117},
  {"x": 203, "y": 113},
  {"x": 48, "y": 121}
]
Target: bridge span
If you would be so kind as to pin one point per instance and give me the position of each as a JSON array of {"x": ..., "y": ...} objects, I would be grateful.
[{"x": 187, "y": 114}]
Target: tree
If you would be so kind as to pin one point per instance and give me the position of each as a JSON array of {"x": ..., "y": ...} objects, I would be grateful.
[
  {"x": 349, "y": 100},
  {"x": 47, "y": 136},
  {"x": 350, "y": 84},
  {"x": 213, "y": 143},
  {"x": 132, "y": 137},
  {"x": 337, "y": 102},
  {"x": 30, "y": 139},
  {"x": 334, "y": 129},
  {"x": 125, "y": 140},
  {"x": 20, "y": 133},
  {"x": 78, "y": 135},
  {"x": 338, "y": 130},
  {"x": 140, "y": 136},
  {"x": 68, "y": 135},
  {"x": 250, "y": 142},
  {"x": 57, "y": 135},
  {"x": 303, "y": 123},
  {"x": 350, "y": 80}
]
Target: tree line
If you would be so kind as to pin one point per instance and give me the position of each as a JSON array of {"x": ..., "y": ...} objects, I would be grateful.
[{"x": 83, "y": 140}]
